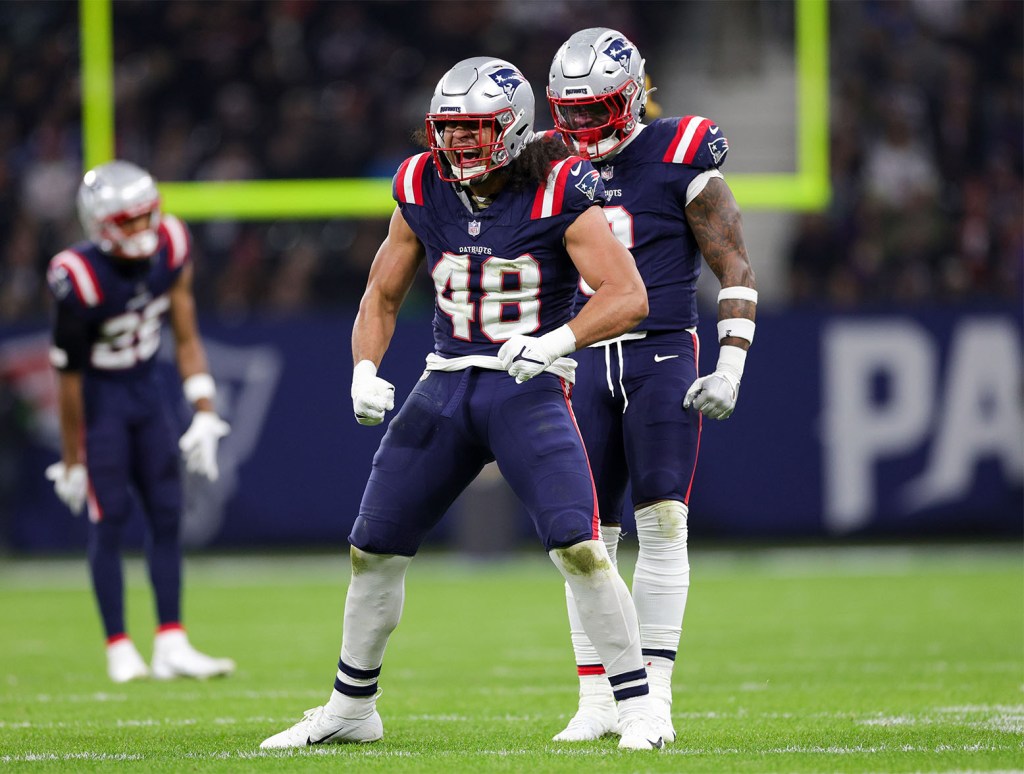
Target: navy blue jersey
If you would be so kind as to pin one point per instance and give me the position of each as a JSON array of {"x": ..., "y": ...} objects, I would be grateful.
[
  {"x": 110, "y": 310},
  {"x": 645, "y": 191},
  {"x": 503, "y": 270}
]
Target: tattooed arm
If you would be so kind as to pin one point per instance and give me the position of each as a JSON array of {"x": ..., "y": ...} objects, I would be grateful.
[{"x": 714, "y": 217}]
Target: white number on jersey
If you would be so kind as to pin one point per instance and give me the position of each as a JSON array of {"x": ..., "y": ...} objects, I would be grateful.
[
  {"x": 505, "y": 307},
  {"x": 130, "y": 338}
]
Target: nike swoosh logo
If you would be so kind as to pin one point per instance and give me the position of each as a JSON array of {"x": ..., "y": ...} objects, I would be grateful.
[
  {"x": 521, "y": 356},
  {"x": 659, "y": 358},
  {"x": 657, "y": 745},
  {"x": 310, "y": 740},
  {"x": 576, "y": 170},
  {"x": 713, "y": 130}
]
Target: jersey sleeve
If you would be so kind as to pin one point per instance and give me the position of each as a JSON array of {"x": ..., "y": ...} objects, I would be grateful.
[
  {"x": 572, "y": 186},
  {"x": 696, "y": 142},
  {"x": 407, "y": 186},
  {"x": 70, "y": 347},
  {"x": 175, "y": 235},
  {"x": 73, "y": 282}
]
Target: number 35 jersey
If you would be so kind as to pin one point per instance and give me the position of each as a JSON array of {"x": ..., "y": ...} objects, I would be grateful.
[
  {"x": 503, "y": 270},
  {"x": 110, "y": 310}
]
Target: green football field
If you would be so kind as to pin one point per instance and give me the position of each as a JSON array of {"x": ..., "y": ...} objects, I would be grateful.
[{"x": 823, "y": 660}]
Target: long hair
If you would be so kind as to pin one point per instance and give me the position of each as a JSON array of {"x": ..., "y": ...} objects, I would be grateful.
[{"x": 530, "y": 168}]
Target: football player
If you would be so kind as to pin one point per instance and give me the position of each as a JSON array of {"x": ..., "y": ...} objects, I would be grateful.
[
  {"x": 504, "y": 226},
  {"x": 638, "y": 398},
  {"x": 117, "y": 421}
]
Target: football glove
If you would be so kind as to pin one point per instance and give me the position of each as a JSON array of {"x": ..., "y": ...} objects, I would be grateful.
[
  {"x": 199, "y": 443},
  {"x": 715, "y": 395},
  {"x": 525, "y": 356},
  {"x": 371, "y": 395},
  {"x": 70, "y": 483}
]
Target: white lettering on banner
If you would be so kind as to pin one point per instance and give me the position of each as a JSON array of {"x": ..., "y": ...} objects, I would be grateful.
[
  {"x": 981, "y": 413},
  {"x": 978, "y": 418}
]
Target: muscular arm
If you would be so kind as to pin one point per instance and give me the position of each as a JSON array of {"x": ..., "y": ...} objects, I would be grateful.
[
  {"x": 714, "y": 218},
  {"x": 189, "y": 352},
  {"x": 391, "y": 275},
  {"x": 619, "y": 303},
  {"x": 71, "y": 410}
]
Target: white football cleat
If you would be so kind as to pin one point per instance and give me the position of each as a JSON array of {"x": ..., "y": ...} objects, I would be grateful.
[
  {"x": 174, "y": 656},
  {"x": 124, "y": 662},
  {"x": 318, "y": 726},
  {"x": 596, "y": 715},
  {"x": 642, "y": 732}
]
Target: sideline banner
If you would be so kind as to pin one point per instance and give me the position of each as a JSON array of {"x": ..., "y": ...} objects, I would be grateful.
[{"x": 891, "y": 423}]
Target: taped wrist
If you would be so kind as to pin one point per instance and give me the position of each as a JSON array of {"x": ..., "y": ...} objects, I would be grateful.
[
  {"x": 731, "y": 361},
  {"x": 560, "y": 342},
  {"x": 199, "y": 386},
  {"x": 364, "y": 370}
]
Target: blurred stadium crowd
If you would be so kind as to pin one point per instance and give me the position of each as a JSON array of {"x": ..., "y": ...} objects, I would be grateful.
[{"x": 927, "y": 132}]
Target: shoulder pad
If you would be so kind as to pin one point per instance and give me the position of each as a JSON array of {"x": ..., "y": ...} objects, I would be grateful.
[
  {"x": 697, "y": 142},
  {"x": 174, "y": 233},
  {"x": 572, "y": 181},
  {"x": 70, "y": 270},
  {"x": 407, "y": 187}
]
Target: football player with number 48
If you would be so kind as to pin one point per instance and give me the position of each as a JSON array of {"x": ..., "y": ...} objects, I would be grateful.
[
  {"x": 505, "y": 226},
  {"x": 638, "y": 397},
  {"x": 117, "y": 423}
]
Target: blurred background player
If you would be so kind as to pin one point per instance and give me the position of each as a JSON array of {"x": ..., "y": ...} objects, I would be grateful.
[
  {"x": 118, "y": 423},
  {"x": 505, "y": 226},
  {"x": 637, "y": 397}
]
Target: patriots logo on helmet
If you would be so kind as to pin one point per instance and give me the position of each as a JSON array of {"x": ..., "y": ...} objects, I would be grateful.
[
  {"x": 588, "y": 184},
  {"x": 508, "y": 79},
  {"x": 620, "y": 51},
  {"x": 718, "y": 149}
]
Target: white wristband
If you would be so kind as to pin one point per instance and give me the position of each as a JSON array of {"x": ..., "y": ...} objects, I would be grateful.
[
  {"x": 199, "y": 386},
  {"x": 737, "y": 293},
  {"x": 364, "y": 369},
  {"x": 731, "y": 360},
  {"x": 562, "y": 340},
  {"x": 740, "y": 327}
]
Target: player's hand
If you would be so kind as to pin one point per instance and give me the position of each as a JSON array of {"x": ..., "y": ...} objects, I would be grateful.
[
  {"x": 714, "y": 395},
  {"x": 199, "y": 443},
  {"x": 371, "y": 395},
  {"x": 70, "y": 483},
  {"x": 525, "y": 356}
]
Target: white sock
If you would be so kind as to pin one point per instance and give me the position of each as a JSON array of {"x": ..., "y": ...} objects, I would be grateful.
[
  {"x": 661, "y": 581},
  {"x": 373, "y": 608},
  {"x": 606, "y": 613},
  {"x": 586, "y": 657}
]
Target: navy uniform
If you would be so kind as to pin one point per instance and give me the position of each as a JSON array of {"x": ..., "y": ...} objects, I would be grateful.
[
  {"x": 499, "y": 271},
  {"x": 109, "y": 316}
]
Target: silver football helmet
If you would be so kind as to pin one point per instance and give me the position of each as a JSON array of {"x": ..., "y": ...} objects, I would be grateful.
[
  {"x": 480, "y": 119},
  {"x": 597, "y": 91},
  {"x": 113, "y": 194}
]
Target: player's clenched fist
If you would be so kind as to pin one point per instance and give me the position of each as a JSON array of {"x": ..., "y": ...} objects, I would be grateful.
[
  {"x": 525, "y": 356},
  {"x": 371, "y": 395}
]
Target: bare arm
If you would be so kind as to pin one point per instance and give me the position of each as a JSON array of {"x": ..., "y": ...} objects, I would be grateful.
[
  {"x": 189, "y": 352},
  {"x": 715, "y": 220},
  {"x": 71, "y": 408},
  {"x": 391, "y": 275},
  {"x": 619, "y": 303}
]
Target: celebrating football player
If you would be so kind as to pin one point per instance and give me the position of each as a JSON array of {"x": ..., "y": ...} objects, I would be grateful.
[
  {"x": 504, "y": 226},
  {"x": 117, "y": 422},
  {"x": 638, "y": 398}
]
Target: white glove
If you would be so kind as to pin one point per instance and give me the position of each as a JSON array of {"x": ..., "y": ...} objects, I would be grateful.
[
  {"x": 371, "y": 395},
  {"x": 71, "y": 484},
  {"x": 715, "y": 395},
  {"x": 525, "y": 356},
  {"x": 199, "y": 443}
]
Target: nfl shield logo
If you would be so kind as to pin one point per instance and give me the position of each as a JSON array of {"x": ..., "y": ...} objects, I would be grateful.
[
  {"x": 607, "y": 173},
  {"x": 474, "y": 228}
]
